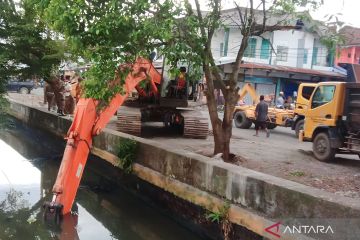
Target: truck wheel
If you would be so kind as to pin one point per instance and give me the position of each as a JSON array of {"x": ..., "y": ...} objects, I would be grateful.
[
  {"x": 322, "y": 149},
  {"x": 271, "y": 126},
  {"x": 24, "y": 90},
  {"x": 299, "y": 126},
  {"x": 241, "y": 121}
]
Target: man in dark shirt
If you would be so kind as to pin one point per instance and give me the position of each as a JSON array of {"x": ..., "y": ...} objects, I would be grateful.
[{"x": 261, "y": 115}]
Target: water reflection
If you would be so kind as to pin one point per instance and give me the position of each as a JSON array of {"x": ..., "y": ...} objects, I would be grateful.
[
  {"x": 27, "y": 175},
  {"x": 16, "y": 172}
]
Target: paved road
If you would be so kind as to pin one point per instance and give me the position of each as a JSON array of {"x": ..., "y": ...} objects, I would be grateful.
[
  {"x": 281, "y": 155},
  {"x": 38, "y": 91}
]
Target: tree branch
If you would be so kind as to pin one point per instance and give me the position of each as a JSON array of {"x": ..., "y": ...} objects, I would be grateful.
[
  {"x": 259, "y": 29},
  {"x": 201, "y": 20},
  {"x": 264, "y": 15},
  {"x": 240, "y": 14}
]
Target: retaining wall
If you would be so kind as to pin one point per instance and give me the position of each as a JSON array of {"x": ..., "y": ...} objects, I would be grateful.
[{"x": 256, "y": 200}]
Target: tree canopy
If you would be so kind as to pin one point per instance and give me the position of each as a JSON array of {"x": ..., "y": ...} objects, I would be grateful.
[
  {"x": 28, "y": 50},
  {"x": 107, "y": 33}
]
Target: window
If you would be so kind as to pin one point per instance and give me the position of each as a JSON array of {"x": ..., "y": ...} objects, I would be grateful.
[
  {"x": 282, "y": 53},
  {"x": 305, "y": 56},
  {"x": 251, "y": 48},
  {"x": 226, "y": 40},
  {"x": 306, "y": 92},
  {"x": 221, "y": 49},
  {"x": 314, "y": 56},
  {"x": 265, "y": 49},
  {"x": 323, "y": 95},
  {"x": 349, "y": 55}
]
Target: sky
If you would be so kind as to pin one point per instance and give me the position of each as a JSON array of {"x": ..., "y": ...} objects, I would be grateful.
[{"x": 349, "y": 10}]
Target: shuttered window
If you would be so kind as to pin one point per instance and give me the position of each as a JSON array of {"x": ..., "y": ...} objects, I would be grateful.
[
  {"x": 250, "y": 51},
  {"x": 265, "y": 49}
]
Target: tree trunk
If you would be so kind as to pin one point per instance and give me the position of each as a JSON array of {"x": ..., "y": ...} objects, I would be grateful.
[
  {"x": 222, "y": 130},
  {"x": 215, "y": 122},
  {"x": 212, "y": 107},
  {"x": 230, "y": 99}
]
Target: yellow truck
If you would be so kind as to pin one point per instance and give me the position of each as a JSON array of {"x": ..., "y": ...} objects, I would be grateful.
[
  {"x": 332, "y": 120},
  {"x": 244, "y": 115},
  {"x": 304, "y": 93}
]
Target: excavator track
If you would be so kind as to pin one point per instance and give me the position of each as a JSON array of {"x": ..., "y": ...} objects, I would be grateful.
[
  {"x": 129, "y": 121},
  {"x": 195, "y": 125}
]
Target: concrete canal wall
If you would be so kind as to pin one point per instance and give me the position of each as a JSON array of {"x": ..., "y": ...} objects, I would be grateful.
[{"x": 256, "y": 200}]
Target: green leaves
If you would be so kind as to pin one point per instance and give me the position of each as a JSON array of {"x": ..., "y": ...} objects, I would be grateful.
[
  {"x": 127, "y": 154},
  {"x": 108, "y": 33},
  {"x": 27, "y": 50}
]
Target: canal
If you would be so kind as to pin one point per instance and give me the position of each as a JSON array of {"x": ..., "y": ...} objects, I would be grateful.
[{"x": 29, "y": 160}]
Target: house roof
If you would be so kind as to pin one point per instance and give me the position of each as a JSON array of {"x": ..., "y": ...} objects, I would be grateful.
[
  {"x": 277, "y": 70},
  {"x": 351, "y": 35},
  {"x": 292, "y": 70}
]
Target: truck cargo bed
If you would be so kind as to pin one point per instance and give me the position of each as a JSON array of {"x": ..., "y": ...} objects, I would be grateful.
[{"x": 352, "y": 107}]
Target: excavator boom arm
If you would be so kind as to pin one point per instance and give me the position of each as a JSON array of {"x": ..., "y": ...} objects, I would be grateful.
[
  {"x": 248, "y": 89},
  {"x": 87, "y": 123}
]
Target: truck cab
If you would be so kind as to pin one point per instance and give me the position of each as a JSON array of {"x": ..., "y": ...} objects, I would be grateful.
[
  {"x": 329, "y": 117},
  {"x": 304, "y": 94}
]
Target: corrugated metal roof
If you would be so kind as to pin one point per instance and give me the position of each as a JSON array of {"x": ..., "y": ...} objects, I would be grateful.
[{"x": 291, "y": 70}]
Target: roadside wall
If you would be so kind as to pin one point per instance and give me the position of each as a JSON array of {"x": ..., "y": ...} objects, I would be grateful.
[{"x": 257, "y": 200}]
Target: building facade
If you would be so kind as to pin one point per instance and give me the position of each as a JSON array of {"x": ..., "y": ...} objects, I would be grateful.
[
  {"x": 349, "y": 52},
  {"x": 297, "y": 50}
]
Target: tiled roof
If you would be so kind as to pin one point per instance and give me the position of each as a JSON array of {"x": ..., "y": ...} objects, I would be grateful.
[{"x": 351, "y": 35}]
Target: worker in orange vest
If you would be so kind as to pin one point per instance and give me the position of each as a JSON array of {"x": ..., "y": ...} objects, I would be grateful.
[{"x": 181, "y": 79}]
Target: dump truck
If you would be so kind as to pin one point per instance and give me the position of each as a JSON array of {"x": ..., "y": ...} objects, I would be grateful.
[
  {"x": 332, "y": 120},
  {"x": 244, "y": 116}
]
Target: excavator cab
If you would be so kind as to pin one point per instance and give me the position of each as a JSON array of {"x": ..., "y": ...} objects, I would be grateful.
[{"x": 176, "y": 91}]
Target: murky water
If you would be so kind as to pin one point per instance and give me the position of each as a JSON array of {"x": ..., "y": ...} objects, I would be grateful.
[{"x": 29, "y": 161}]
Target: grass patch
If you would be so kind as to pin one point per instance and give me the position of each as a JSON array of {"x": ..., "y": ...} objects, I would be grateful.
[
  {"x": 127, "y": 154},
  {"x": 297, "y": 174}
]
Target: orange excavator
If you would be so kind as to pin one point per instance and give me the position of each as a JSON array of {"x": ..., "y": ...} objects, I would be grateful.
[{"x": 88, "y": 122}]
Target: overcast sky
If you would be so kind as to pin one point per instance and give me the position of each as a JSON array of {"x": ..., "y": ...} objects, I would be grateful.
[{"x": 350, "y": 10}]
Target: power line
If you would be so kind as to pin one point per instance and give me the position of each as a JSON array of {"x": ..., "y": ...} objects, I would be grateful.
[{"x": 277, "y": 57}]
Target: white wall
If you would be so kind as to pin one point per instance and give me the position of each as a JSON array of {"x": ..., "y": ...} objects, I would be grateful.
[
  {"x": 289, "y": 38},
  {"x": 322, "y": 53},
  {"x": 215, "y": 43},
  {"x": 235, "y": 38}
]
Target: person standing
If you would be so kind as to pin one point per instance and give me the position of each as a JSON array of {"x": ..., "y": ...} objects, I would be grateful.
[
  {"x": 58, "y": 87},
  {"x": 69, "y": 100},
  {"x": 261, "y": 115},
  {"x": 280, "y": 101},
  {"x": 201, "y": 92},
  {"x": 76, "y": 90},
  {"x": 49, "y": 96}
]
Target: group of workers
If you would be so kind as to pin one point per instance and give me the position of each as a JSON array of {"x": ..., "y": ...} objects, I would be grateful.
[
  {"x": 261, "y": 111},
  {"x": 284, "y": 103},
  {"x": 62, "y": 93}
]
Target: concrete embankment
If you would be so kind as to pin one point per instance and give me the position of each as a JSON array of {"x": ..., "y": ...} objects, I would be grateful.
[{"x": 255, "y": 200}]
